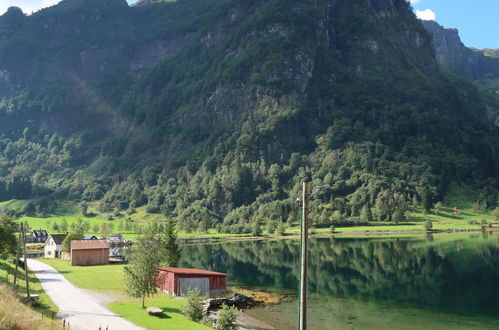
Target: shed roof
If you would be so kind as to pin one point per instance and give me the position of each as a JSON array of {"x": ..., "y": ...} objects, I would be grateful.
[
  {"x": 92, "y": 244},
  {"x": 190, "y": 271}
]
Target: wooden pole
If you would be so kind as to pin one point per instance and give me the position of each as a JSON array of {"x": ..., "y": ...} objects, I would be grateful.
[
  {"x": 25, "y": 265},
  {"x": 304, "y": 259},
  {"x": 17, "y": 257}
]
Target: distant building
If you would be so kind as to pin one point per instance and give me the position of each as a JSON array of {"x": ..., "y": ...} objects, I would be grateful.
[
  {"x": 118, "y": 236},
  {"x": 89, "y": 252},
  {"x": 87, "y": 237},
  {"x": 37, "y": 236},
  {"x": 53, "y": 246},
  {"x": 115, "y": 238},
  {"x": 177, "y": 281}
]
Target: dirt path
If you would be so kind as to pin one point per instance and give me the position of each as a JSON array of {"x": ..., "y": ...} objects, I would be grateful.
[{"x": 76, "y": 306}]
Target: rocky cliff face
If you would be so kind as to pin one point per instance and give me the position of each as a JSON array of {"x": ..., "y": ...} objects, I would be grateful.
[
  {"x": 453, "y": 54},
  {"x": 257, "y": 71}
]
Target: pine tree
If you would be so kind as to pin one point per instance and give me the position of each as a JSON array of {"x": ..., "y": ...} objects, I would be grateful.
[
  {"x": 170, "y": 249},
  {"x": 140, "y": 273},
  {"x": 426, "y": 199}
]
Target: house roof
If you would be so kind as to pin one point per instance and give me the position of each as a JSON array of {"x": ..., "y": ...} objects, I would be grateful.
[
  {"x": 38, "y": 233},
  {"x": 92, "y": 244},
  {"x": 190, "y": 271},
  {"x": 58, "y": 238},
  {"x": 89, "y": 237}
]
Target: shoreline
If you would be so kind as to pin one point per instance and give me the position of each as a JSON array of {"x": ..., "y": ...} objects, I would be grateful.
[{"x": 361, "y": 233}]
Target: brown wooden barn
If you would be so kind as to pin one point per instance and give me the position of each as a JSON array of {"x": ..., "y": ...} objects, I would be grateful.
[
  {"x": 89, "y": 252},
  {"x": 177, "y": 281}
]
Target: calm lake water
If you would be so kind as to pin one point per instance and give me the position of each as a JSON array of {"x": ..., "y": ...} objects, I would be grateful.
[{"x": 446, "y": 281}]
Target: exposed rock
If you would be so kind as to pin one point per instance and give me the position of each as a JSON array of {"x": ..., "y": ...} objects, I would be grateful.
[
  {"x": 452, "y": 53},
  {"x": 154, "y": 311}
]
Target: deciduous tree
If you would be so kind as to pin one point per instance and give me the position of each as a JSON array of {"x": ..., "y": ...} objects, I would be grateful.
[{"x": 140, "y": 274}]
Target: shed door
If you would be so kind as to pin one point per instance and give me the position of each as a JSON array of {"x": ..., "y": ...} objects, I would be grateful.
[{"x": 201, "y": 283}]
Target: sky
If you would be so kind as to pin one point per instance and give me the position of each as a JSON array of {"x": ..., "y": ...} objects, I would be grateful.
[{"x": 476, "y": 20}]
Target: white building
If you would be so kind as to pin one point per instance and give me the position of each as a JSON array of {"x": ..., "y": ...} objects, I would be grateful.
[{"x": 53, "y": 246}]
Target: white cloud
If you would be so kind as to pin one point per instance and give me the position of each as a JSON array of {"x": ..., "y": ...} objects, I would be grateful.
[
  {"x": 28, "y": 6},
  {"x": 426, "y": 15},
  {"x": 413, "y": 2}
]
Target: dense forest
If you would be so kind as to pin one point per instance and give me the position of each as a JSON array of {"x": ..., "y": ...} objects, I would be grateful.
[{"x": 212, "y": 112}]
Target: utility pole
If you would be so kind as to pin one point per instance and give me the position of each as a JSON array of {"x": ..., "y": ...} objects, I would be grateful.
[
  {"x": 25, "y": 262},
  {"x": 304, "y": 258},
  {"x": 17, "y": 257}
]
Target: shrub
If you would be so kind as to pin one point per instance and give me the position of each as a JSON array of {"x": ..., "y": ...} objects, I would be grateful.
[
  {"x": 281, "y": 229},
  {"x": 227, "y": 319},
  {"x": 332, "y": 228},
  {"x": 193, "y": 307},
  {"x": 495, "y": 213},
  {"x": 428, "y": 225},
  {"x": 256, "y": 230}
]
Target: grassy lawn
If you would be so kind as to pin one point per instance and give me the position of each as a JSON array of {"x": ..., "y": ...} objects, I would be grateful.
[
  {"x": 173, "y": 320},
  {"x": 44, "y": 305},
  {"x": 102, "y": 278},
  {"x": 109, "y": 278}
]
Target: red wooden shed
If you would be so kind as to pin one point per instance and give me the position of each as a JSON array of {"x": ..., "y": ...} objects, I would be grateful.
[
  {"x": 89, "y": 252},
  {"x": 177, "y": 281}
]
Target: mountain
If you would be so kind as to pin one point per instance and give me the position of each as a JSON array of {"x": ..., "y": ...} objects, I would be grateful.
[
  {"x": 479, "y": 65},
  {"x": 482, "y": 66},
  {"x": 214, "y": 111}
]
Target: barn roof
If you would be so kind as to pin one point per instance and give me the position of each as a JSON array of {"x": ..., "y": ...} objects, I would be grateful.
[
  {"x": 93, "y": 244},
  {"x": 190, "y": 271}
]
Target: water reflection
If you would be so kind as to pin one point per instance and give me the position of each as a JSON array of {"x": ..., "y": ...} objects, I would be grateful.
[{"x": 455, "y": 273}]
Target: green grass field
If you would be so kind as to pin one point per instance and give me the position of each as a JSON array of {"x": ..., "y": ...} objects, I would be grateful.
[
  {"x": 102, "y": 278},
  {"x": 173, "y": 320},
  {"x": 109, "y": 278}
]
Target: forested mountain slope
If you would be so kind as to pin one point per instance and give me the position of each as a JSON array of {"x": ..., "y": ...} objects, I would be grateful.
[{"x": 214, "y": 111}]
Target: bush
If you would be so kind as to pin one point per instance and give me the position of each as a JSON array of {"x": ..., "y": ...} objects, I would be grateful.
[
  {"x": 428, "y": 225},
  {"x": 193, "y": 307},
  {"x": 332, "y": 228},
  {"x": 256, "y": 230},
  {"x": 281, "y": 229},
  {"x": 227, "y": 318},
  {"x": 495, "y": 213}
]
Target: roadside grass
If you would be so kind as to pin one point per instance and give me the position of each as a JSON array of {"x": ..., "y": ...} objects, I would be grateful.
[
  {"x": 16, "y": 315},
  {"x": 44, "y": 305},
  {"x": 172, "y": 320}
]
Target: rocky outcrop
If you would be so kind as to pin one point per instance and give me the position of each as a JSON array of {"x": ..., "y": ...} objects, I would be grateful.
[{"x": 451, "y": 53}]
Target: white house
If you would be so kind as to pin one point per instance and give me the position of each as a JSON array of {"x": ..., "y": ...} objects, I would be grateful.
[{"x": 53, "y": 246}]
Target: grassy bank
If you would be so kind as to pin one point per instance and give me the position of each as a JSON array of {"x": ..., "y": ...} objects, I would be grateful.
[
  {"x": 16, "y": 315},
  {"x": 12, "y": 311},
  {"x": 109, "y": 279}
]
